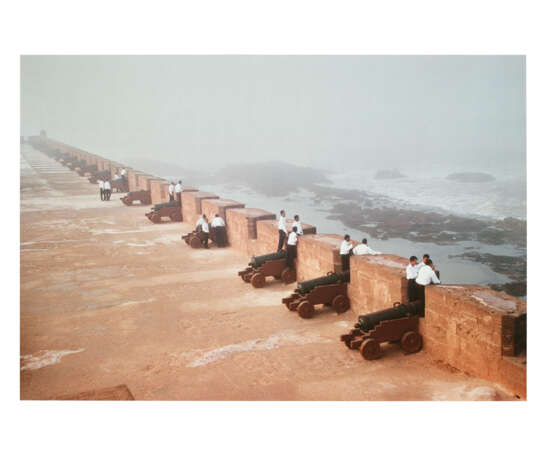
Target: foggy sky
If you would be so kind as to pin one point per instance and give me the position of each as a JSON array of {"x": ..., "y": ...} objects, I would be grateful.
[{"x": 337, "y": 112}]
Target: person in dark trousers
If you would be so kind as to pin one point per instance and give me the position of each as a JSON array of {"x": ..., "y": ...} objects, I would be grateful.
[
  {"x": 282, "y": 230},
  {"x": 425, "y": 277},
  {"x": 346, "y": 252},
  {"x": 291, "y": 249},
  {"x": 219, "y": 225},
  {"x": 179, "y": 190},
  {"x": 102, "y": 189},
  {"x": 411, "y": 271},
  {"x": 107, "y": 190},
  {"x": 205, "y": 232}
]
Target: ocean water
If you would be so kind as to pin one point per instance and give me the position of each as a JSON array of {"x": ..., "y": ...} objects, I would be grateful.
[{"x": 503, "y": 197}]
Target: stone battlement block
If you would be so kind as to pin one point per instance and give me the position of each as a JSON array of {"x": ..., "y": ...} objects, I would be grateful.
[
  {"x": 192, "y": 204},
  {"x": 242, "y": 227},
  {"x": 212, "y": 206}
]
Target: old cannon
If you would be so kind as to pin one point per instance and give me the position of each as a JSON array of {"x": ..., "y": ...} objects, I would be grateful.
[
  {"x": 120, "y": 185},
  {"x": 196, "y": 238},
  {"x": 329, "y": 290},
  {"x": 171, "y": 209},
  {"x": 268, "y": 265},
  {"x": 397, "y": 324},
  {"x": 86, "y": 169},
  {"x": 64, "y": 158},
  {"x": 141, "y": 195},
  {"x": 75, "y": 163},
  {"x": 99, "y": 175}
]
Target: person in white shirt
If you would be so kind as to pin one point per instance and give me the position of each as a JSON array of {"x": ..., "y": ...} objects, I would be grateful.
[
  {"x": 291, "y": 248},
  {"x": 422, "y": 263},
  {"x": 219, "y": 225},
  {"x": 171, "y": 191},
  {"x": 199, "y": 223},
  {"x": 362, "y": 249},
  {"x": 107, "y": 190},
  {"x": 116, "y": 177},
  {"x": 124, "y": 172},
  {"x": 346, "y": 252},
  {"x": 102, "y": 189},
  {"x": 411, "y": 272},
  {"x": 282, "y": 230},
  {"x": 178, "y": 190},
  {"x": 297, "y": 223},
  {"x": 425, "y": 277},
  {"x": 205, "y": 232}
]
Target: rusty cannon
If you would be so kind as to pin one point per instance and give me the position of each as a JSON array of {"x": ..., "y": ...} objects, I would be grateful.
[
  {"x": 143, "y": 196},
  {"x": 398, "y": 324},
  {"x": 99, "y": 175},
  {"x": 268, "y": 265},
  {"x": 196, "y": 239},
  {"x": 171, "y": 209},
  {"x": 329, "y": 290},
  {"x": 86, "y": 169},
  {"x": 120, "y": 185},
  {"x": 75, "y": 164}
]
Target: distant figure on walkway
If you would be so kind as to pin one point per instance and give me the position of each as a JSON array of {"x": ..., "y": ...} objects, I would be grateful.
[
  {"x": 219, "y": 225},
  {"x": 297, "y": 223},
  {"x": 425, "y": 277},
  {"x": 346, "y": 252},
  {"x": 411, "y": 272},
  {"x": 107, "y": 190},
  {"x": 124, "y": 172},
  {"x": 116, "y": 176},
  {"x": 362, "y": 249},
  {"x": 291, "y": 249},
  {"x": 102, "y": 189},
  {"x": 205, "y": 232},
  {"x": 178, "y": 190},
  {"x": 282, "y": 230},
  {"x": 171, "y": 191}
]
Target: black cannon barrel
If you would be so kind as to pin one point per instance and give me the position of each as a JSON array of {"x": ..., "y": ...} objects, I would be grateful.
[
  {"x": 332, "y": 278},
  {"x": 167, "y": 204},
  {"x": 257, "y": 261},
  {"x": 369, "y": 321}
]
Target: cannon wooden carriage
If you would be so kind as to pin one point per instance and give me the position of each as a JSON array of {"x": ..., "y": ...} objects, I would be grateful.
[
  {"x": 268, "y": 265},
  {"x": 99, "y": 175},
  {"x": 120, "y": 185},
  {"x": 195, "y": 239},
  {"x": 171, "y": 209},
  {"x": 86, "y": 169},
  {"x": 143, "y": 196},
  {"x": 329, "y": 290},
  {"x": 399, "y": 324},
  {"x": 74, "y": 163}
]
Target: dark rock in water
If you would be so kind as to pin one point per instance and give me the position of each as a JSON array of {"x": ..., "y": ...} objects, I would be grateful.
[
  {"x": 515, "y": 288},
  {"x": 471, "y": 177},
  {"x": 515, "y": 267},
  {"x": 389, "y": 174}
]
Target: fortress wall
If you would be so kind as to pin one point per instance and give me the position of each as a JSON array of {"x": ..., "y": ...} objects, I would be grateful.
[
  {"x": 192, "y": 204},
  {"x": 477, "y": 330},
  {"x": 159, "y": 191},
  {"x": 471, "y": 328},
  {"x": 376, "y": 282},
  {"x": 212, "y": 206},
  {"x": 241, "y": 227}
]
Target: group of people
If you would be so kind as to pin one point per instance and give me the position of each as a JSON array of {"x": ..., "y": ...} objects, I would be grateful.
[
  {"x": 420, "y": 275},
  {"x": 105, "y": 188},
  {"x": 219, "y": 227},
  {"x": 291, "y": 236},
  {"x": 175, "y": 190},
  {"x": 347, "y": 250}
]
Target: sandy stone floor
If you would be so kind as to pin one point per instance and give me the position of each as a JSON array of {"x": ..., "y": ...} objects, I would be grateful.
[{"x": 108, "y": 298}]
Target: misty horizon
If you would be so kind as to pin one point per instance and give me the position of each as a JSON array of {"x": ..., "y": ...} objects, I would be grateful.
[{"x": 336, "y": 113}]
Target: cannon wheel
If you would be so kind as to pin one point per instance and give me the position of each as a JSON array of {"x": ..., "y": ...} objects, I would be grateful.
[
  {"x": 176, "y": 216},
  {"x": 289, "y": 275},
  {"x": 370, "y": 349},
  {"x": 411, "y": 342},
  {"x": 305, "y": 309},
  {"x": 126, "y": 201},
  {"x": 155, "y": 217},
  {"x": 247, "y": 277},
  {"x": 292, "y": 306},
  {"x": 258, "y": 280},
  {"x": 194, "y": 242},
  {"x": 340, "y": 303}
]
